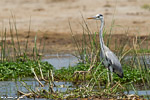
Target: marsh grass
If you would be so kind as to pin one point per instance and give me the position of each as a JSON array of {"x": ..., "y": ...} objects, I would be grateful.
[
  {"x": 12, "y": 49},
  {"x": 93, "y": 84},
  {"x": 136, "y": 70},
  {"x": 15, "y": 59}
]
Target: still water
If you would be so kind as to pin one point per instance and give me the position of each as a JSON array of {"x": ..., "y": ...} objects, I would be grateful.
[
  {"x": 9, "y": 88},
  {"x": 59, "y": 61}
]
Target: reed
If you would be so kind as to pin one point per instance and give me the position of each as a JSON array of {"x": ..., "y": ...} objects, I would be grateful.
[
  {"x": 136, "y": 71},
  {"x": 15, "y": 58},
  {"x": 12, "y": 50}
]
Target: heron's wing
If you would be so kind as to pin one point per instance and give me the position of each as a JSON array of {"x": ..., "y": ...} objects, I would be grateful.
[
  {"x": 114, "y": 62},
  {"x": 112, "y": 57}
]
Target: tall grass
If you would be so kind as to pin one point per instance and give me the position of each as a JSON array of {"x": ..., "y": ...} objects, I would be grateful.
[
  {"x": 136, "y": 70},
  {"x": 12, "y": 50},
  {"x": 16, "y": 59}
]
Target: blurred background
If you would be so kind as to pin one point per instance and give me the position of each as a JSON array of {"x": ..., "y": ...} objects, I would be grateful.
[{"x": 49, "y": 19}]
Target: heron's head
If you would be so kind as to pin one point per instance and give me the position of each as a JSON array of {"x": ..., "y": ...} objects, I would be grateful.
[{"x": 97, "y": 17}]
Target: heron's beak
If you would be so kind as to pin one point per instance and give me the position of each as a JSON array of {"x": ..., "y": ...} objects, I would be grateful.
[{"x": 92, "y": 17}]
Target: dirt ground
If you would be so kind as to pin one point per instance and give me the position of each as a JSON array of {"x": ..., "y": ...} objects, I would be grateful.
[{"x": 50, "y": 19}]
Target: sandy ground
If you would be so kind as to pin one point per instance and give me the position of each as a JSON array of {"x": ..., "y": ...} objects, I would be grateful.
[{"x": 50, "y": 19}]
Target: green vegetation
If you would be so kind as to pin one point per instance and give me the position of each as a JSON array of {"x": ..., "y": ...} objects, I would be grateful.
[
  {"x": 130, "y": 74},
  {"x": 93, "y": 83},
  {"x": 146, "y": 6},
  {"x": 16, "y": 62},
  {"x": 16, "y": 69}
]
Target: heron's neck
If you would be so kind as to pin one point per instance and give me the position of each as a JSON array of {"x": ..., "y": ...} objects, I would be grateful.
[{"x": 101, "y": 34}]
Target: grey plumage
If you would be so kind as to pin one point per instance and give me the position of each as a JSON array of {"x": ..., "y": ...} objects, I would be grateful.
[{"x": 108, "y": 58}]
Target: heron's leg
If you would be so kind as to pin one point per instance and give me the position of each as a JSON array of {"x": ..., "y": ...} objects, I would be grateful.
[
  {"x": 108, "y": 76},
  {"x": 111, "y": 77}
]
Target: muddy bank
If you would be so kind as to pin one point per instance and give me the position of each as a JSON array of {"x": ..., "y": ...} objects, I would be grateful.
[{"x": 53, "y": 43}]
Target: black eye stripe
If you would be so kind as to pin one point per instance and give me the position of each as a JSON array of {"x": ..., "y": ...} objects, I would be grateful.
[{"x": 99, "y": 15}]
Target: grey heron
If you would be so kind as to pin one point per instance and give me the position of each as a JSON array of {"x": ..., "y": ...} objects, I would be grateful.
[{"x": 109, "y": 59}]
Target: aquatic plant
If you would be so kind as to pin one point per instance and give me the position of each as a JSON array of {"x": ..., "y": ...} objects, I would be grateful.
[
  {"x": 16, "y": 61},
  {"x": 16, "y": 69}
]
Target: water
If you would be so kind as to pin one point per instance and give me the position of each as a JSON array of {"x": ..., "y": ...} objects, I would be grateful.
[
  {"x": 140, "y": 92},
  {"x": 59, "y": 61},
  {"x": 9, "y": 88},
  {"x": 145, "y": 59}
]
